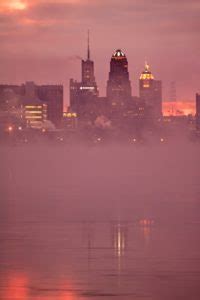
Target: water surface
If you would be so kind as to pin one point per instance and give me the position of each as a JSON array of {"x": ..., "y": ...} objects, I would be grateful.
[{"x": 100, "y": 223}]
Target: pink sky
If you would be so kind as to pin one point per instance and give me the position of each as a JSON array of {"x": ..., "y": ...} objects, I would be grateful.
[{"x": 42, "y": 40}]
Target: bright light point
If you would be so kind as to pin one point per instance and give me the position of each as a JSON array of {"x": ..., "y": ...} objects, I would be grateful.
[
  {"x": 17, "y": 5},
  {"x": 19, "y": 128},
  {"x": 10, "y": 128},
  {"x": 162, "y": 140}
]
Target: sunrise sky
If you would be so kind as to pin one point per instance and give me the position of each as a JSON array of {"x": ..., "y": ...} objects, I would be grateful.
[{"x": 44, "y": 40}]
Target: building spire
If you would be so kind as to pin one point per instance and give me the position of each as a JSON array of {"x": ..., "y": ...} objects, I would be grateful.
[
  {"x": 88, "y": 50},
  {"x": 147, "y": 67}
]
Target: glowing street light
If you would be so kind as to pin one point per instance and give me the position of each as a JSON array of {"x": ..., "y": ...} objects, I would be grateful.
[{"x": 10, "y": 128}]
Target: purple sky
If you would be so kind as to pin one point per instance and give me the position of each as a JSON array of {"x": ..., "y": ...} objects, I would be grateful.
[{"x": 44, "y": 40}]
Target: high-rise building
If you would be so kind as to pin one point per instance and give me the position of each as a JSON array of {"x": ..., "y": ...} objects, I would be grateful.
[
  {"x": 88, "y": 78},
  {"x": 198, "y": 111},
  {"x": 150, "y": 91},
  {"x": 118, "y": 85},
  {"x": 83, "y": 94}
]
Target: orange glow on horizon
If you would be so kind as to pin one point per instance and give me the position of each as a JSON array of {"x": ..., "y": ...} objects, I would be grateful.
[
  {"x": 179, "y": 108},
  {"x": 16, "y": 287}
]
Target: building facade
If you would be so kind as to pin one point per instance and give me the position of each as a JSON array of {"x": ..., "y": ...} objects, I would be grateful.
[
  {"x": 150, "y": 92},
  {"x": 118, "y": 85},
  {"x": 83, "y": 95},
  {"x": 34, "y": 110},
  {"x": 51, "y": 96}
]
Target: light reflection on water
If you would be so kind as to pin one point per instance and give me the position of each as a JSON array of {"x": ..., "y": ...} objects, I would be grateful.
[{"x": 88, "y": 260}]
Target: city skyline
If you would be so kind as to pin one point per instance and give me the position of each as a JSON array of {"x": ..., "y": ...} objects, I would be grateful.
[{"x": 29, "y": 29}]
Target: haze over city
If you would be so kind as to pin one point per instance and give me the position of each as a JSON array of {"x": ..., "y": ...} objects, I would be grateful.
[{"x": 43, "y": 40}]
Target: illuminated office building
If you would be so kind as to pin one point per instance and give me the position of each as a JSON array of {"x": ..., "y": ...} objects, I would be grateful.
[
  {"x": 35, "y": 113},
  {"x": 50, "y": 95},
  {"x": 34, "y": 110},
  {"x": 150, "y": 92}
]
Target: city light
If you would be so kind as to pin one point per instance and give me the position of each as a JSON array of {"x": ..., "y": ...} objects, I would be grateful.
[
  {"x": 10, "y": 128},
  {"x": 146, "y": 222},
  {"x": 70, "y": 115},
  {"x": 87, "y": 88},
  {"x": 118, "y": 54}
]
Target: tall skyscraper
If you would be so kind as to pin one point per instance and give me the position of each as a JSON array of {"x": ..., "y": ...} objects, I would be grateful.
[
  {"x": 88, "y": 78},
  {"x": 150, "y": 91},
  {"x": 83, "y": 94},
  {"x": 118, "y": 85},
  {"x": 198, "y": 111}
]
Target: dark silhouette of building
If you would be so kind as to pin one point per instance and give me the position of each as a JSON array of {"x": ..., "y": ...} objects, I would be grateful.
[
  {"x": 83, "y": 95},
  {"x": 9, "y": 96},
  {"x": 198, "y": 111},
  {"x": 52, "y": 95},
  {"x": 118, "y": 85},
  {"x": 88, "y": 78},
  {"x": 150, "y": 92}
]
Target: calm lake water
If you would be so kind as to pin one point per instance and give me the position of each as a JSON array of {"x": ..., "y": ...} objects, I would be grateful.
[{"x": 100, "y": 223}]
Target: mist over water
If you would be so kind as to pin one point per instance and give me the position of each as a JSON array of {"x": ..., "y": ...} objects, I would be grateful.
[
  {"x": 100, "y": 183},
  {"x": 100, "y": 222}
]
